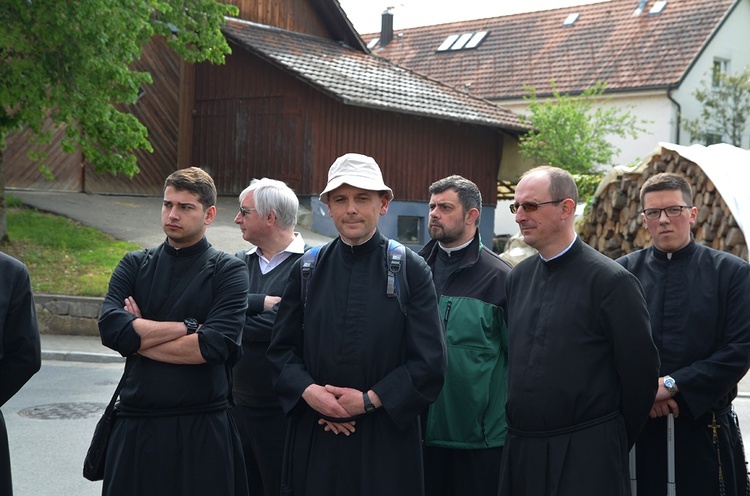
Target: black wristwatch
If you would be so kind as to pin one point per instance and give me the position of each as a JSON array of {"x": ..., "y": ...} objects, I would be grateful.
[
  {"x": 191, "y": 324},
  {"x": 369, "y": 407}
]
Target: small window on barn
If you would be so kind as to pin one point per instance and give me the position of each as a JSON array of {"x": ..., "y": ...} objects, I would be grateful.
[
  {"x": 409, "y": 229},
  {"x": 713, "y": 138}
]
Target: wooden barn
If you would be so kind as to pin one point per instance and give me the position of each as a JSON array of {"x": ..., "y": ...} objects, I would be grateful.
[{"x": 299, "y": 89}]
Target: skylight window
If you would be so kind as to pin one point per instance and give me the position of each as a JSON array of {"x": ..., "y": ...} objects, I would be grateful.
[
  {"x": 463, "y": 41},
  {"x": 570, "y": 20},
  {"x": 658, "y": 7},
  {"x": 372, "y": 43}
]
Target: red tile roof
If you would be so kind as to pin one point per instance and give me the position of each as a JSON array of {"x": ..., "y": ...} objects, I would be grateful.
[
  {"x": 606, "y": 43},
  {"x": 359, "y": 79}
]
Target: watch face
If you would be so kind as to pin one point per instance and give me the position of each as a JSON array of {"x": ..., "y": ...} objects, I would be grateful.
[
  {"x": 669, "y": 382},
  {"x": 191, "y": 324}
]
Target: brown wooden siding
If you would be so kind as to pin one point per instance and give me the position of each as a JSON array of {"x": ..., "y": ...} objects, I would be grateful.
[
  {"x": 292, "y": 15},
  {"x": 253, "y": 120}
]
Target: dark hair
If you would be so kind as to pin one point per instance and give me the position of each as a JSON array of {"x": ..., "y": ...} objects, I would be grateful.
[
  {"x": 468, "y": 193},
  {"x": 195, "y": 180},
  {"x": 668, "y": 181},
  {"x": 561, "y": 183}
]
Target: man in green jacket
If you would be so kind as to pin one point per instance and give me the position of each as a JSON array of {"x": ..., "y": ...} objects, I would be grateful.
[{"x": 465, "y": 427}]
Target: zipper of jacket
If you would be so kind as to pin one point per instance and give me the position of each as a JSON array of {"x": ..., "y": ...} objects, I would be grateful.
[{"x": 447, "y": 313}]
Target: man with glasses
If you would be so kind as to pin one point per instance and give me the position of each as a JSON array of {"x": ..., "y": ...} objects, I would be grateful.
[
  {"x": 699, "y": 302},
  {"x": 267, "y": 216},
  {"x": 582, "y": 367}
]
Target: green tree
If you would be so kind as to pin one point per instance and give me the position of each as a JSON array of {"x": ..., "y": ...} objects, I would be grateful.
[
  {"x": 725, "y": 108},
  {"x": 571, "y": 132},
  {"x": 69, "y": 62}
]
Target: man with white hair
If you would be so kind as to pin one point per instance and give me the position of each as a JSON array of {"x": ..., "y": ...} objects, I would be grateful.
[
  {"x": 267, "y": 216},
  {"x": 355, "y": 381}
]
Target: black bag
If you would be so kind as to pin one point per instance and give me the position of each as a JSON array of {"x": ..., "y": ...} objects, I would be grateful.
[{"x": 93, "y": 464}]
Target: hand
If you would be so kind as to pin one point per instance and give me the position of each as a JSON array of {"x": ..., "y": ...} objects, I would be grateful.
[
  {"x": 270, "y": 301},
  {"x": 326, "y": 404},
  {"x": 662, "y": 408},
  {"x": 132, "y": 307},
  {"x": 349, "y": 398}
]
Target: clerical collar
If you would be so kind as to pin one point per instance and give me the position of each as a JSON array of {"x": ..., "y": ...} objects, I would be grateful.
[
  {"x": 450, "y": 251},
  {"x": 683, "y": 252},
  {"x": 188, "y": 251},
  {"x": 562, "y": 252}
]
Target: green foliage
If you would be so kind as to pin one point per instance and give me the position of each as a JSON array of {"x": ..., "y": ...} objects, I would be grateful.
[
  {"x": 725, "y": 108},
  {"x": 587, "y": 184},
  {"x": 70, "y": 62},
  {"x": 571, "y": 132},
  {"x": 63, "y": 257}
]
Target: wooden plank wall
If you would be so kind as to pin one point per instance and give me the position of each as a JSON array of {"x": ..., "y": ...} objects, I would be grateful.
[
  {"x": 254, "y": 120},
  {"x": 292, "y": 15}
]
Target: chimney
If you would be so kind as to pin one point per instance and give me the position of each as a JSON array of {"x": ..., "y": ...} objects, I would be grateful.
[{"x": 386, "y": 28}]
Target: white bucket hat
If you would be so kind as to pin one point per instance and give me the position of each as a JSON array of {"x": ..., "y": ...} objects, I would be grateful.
[{"x": 355, "y": 170}]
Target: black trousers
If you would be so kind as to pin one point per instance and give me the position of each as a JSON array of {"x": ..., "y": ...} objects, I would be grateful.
[
  {"x": 455, "y": 472},
  {"x": 262, "y": 432}
]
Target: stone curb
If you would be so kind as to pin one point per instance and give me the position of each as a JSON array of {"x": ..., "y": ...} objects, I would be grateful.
[
  {"x": 68, "y": 315},
  {"x": 81, "y": 356}
]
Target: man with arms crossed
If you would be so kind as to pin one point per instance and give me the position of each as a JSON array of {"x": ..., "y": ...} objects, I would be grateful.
[
  {"x": 173, "y": 433},
  {"x": 267, "y": 216}
]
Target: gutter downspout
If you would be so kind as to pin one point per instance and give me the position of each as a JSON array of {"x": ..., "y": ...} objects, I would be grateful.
[{"x": 679, "y": 112}]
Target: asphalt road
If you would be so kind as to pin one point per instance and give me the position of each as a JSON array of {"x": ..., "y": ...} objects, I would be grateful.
[{"x": 50, "y": 422}]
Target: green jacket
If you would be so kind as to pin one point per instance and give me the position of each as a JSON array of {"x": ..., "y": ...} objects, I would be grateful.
[{"x": 470, "y": 411}]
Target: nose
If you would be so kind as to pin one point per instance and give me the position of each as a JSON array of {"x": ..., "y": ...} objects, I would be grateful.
[{"x": 238, "y": 218}]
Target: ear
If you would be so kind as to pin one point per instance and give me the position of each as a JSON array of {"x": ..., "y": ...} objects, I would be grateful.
[
  {"x": 210, "y": 215},
  {"x": 471, "y": 216},
  {"x": 271, "y": 218},
  {"x": 568, "y": 208},
  {"x": 693, "y": 215},
  {"x": 384, "y": 202}
]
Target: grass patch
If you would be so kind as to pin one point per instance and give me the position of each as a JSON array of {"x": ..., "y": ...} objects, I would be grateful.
[{"x": 63, "y": 256}]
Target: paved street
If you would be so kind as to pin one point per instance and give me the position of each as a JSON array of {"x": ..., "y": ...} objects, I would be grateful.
[{"x": 50, "y": 422}]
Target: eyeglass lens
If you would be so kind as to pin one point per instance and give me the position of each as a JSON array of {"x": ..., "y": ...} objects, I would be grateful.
[{"x": 671, "y": 211}]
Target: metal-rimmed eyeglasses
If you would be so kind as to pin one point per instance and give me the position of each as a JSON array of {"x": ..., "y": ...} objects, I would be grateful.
[
  {"x": 530, "y": 206},
  {"x": 244, "y": 211},
  {"x": 671, "y": 211}
]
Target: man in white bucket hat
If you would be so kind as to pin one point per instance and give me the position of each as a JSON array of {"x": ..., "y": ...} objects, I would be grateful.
[{"x": 372, "y": 354}]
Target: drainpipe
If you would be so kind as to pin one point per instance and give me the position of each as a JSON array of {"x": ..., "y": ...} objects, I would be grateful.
[
  {"x": 679, "y": 112},
  {"x": 386, "y": 28}
]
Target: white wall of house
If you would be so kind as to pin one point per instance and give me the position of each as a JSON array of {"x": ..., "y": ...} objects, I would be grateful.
[{"x": 732, "y": 44}]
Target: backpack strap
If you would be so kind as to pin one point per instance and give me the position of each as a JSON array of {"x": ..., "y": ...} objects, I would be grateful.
[
  {"x": 397, "y": 283},
  {"x": 307, "y": 264}
]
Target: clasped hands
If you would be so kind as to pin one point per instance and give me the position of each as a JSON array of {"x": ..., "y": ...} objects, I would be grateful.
[{"x": 333, "y": 402}]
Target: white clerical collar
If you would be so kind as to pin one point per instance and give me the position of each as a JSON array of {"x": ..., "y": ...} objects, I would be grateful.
[
  {"x": 449, "y": 251},
  {"x": 562, "y": 252}
]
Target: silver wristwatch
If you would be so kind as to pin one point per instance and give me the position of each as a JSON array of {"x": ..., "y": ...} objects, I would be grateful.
[{"x": 670, "y": 384}]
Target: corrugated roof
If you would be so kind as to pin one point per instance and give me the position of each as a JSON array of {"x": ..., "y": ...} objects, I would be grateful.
[
  {"x": 359, "y": 79},
  {"x": 605, "y": 43}
]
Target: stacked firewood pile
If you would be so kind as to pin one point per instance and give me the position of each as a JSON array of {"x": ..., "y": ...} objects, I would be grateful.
[{"x": 612, "y": 223}]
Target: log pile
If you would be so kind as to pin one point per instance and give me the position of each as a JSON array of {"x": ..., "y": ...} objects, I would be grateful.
[{"x": 612, "y": 223}]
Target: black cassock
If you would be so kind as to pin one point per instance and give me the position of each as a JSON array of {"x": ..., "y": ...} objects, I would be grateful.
[
  {"x": 582, "y": 375},
  {"x": 699, "y": 302},
  {"x": 20, "y": 355},
  {"x": 356, "y": 336},
  {"x": 174, "y": 440}
]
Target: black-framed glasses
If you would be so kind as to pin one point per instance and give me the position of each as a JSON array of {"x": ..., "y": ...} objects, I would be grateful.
[
  {"x": 530, "y": 206},
  {"x": 671, "y": 211},
  {"x": 244, "y": 211}
]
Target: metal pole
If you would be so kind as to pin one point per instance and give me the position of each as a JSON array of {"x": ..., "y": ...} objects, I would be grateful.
[
  {"x": 671, "y": 486},
  {"x": 633, "y": 479}
]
